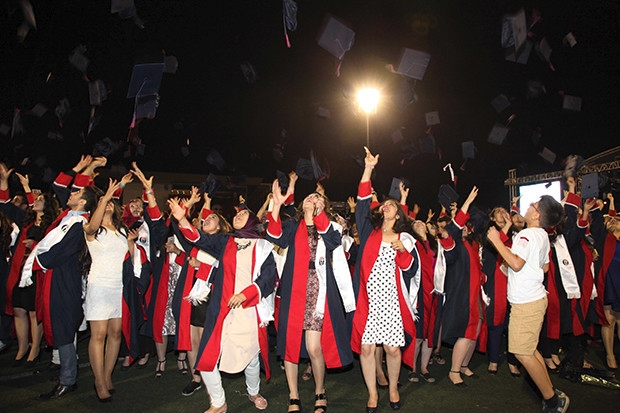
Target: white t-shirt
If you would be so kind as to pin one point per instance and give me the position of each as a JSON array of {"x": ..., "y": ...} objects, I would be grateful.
[{"x": 526, "y": 285}]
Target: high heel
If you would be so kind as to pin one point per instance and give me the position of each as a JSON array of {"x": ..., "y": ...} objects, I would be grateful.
[
  {"x": 31, "y": 363},
  {"x": 294, "y": 402},
  {"x": 20, "y": 361},
  {"x": 395, "y": 405},
  {"x": 460, "y": 384},
  {"x": 160, "y": 371},
  {"x": 318, "y": 407},
  {"x": 102, "y": 400},
  {"x": 184, "y": 366},
  {"x": 472, "y": 375},
  {"x": 611, "y": 362}
]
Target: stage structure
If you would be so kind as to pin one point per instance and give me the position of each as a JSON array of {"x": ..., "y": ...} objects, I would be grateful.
[{"x": 607, "y": 161}]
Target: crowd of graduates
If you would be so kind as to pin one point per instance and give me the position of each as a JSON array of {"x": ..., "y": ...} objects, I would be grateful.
[{"x": 378, "y": 283}]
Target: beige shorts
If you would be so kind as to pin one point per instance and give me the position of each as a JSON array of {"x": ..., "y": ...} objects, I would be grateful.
[{"x": 524, "y": 326}]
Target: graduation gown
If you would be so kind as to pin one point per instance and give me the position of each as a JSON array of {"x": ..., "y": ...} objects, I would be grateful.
[
  {"x": 463, "y": 307},
  {"x": 406, "y": 267},
  {"x": 136, "y": 273},
  {"x": 258, "y": 295},
  {"x": 496, "y": 285},
  {"x": 426, "y": 308},
  {"x": 335, "y": 341}
]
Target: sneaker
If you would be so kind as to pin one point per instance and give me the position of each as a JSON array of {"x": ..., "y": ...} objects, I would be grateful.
[
  {"x": 191, "y": 388},
  {"x": 3, "y": 346},
  {"x": 563, "y": 402}
]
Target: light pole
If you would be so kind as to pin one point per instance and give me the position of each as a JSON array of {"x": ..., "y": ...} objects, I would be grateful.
[{"x": 367, "y": 100}]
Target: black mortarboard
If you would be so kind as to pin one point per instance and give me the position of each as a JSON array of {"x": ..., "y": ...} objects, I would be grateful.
[
  {"x": 283, "y": 180},
  {"x": 395, "y": 189},
  {"x": 97, "y": 92},
  {"x": 214, "y": 158},
  {"x": 589, "y": 186},
  {"x": 145, "y": 79},
  {"x": 336, "y": 38},
  {"x": 413, "y": 63},
  {"x": 304, "y": 169},
  {"x": 210, "y": 185},
  {"x": 447, "y": 195}
]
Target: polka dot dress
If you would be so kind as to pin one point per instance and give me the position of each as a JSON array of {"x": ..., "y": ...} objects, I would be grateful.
[{"x": 384, "y": 324}]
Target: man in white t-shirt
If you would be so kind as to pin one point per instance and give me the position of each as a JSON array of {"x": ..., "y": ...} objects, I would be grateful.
[{"x": 527, "y": 261}]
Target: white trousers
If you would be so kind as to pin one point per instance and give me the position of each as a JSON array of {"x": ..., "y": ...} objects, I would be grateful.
[{"x": 213, "y": 382}]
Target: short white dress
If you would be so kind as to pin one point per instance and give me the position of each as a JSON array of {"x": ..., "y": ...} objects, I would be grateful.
[
  {"x": 384, "y": 324},
  {"x": 104, "y": 288}
]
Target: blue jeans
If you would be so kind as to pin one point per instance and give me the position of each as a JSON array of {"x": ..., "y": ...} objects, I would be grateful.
[{"x": 68, "y": 364}]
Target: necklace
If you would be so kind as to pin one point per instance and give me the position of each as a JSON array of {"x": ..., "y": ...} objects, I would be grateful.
[{"x": 242, "y": 246}]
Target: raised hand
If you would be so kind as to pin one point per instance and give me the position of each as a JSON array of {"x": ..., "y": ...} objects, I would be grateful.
[
  {"x": 127, "y": 178},
  {"x": 370, "y": 160},
  {"x": 276, "y": 193},
  {"x": 23, "y": 179},
  {"x": 176, "y": 210},
  {"x": 84, "y": 161},
  {"x": 146, "y": 183}
]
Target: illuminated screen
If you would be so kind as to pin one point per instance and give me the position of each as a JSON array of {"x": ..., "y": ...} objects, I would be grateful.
[{"x": 532, "y": 193}]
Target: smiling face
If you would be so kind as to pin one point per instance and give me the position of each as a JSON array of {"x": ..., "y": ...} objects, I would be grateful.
[
  {"x": 420, "y": 228},
  {"x": 39, "y": 204},
  {"x": 389, "y": 209},
  {"x": 241, "y": 219},
  {"x": 135, "y": 207}
]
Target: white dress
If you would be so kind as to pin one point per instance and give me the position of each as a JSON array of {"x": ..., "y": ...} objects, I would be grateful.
[
  {"x": 384, "y": 324},
  {"x": 104, "y": 288}
]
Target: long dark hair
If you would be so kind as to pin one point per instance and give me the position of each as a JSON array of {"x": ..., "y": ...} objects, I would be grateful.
[
  {"x": 402, "y": 223},
  {"x": 117, "y": 221},
  {"x": 6, "y": 228},
  {"x": 299, "y": 212},
  {"x": 51, "y": 210}
]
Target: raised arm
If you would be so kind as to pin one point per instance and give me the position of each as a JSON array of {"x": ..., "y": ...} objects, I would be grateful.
[
  {"x": 470, "y": 198},
  {"x": 91, "y": 228},
  {"x": 147, "y": 184},
  {"x": 370, "y": 162}
]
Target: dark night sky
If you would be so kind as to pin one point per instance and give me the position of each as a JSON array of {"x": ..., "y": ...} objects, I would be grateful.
[{"x": 209, "y": 102}]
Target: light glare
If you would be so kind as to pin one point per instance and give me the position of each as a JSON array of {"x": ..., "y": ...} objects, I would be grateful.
[{"x": 368, "y": 99}]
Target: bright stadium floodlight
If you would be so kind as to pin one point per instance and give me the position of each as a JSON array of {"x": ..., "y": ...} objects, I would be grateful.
[{"x": 367, "y": 100}]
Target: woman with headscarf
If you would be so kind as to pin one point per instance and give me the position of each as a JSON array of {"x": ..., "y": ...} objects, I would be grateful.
[{"x": 240, "y": 307}]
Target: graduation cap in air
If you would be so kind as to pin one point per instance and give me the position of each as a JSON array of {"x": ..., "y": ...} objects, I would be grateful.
[
  {"x": 571, "y": 103},
  {"x": 249, "y": 72},
  {"x": 63, "y": 109},
  {"x": 145, "y": 79},
  {"x": 78, "y": 59},
  {"x": 336, "y": 37},
  {"x": 514, "y": 33},
  {"x": 38, "y": 110},
  {"x": 395, "y": 187},
  {"x": 214, "y": 158},
  {"x": 446, "y": 196},
  {"x": 289, "y": 16},
  {"x": 94, "y": 119},
  {"x": 432, "y": 118},
  {"x": 569, "y": 40},
  {"x": 310, "y": 170},
  {"x": 404, "y": 95},
  {"x": 409, "y": 152},
  {"x": 29, "y": 21},
  {"x": 469, "y": 150},
  {"x": 210, "y": 185},
  {"x": 535, "y": 88},
  {"x": 413, "y": 63},
  {"x": 97, "y": 92},
  {"x": 427, "y": 144},
  {"x": 498, "y": 134},
  {"x": 171, "y": 64},
  {"x": 324, "y": 113},
  {"x": 283, "y": 180},
  {"x": 500, "y": 103},
  {"x": 146, "y": 106},
  {"x": 544, "y": 50},
  {"x": 589, "y": 186},
  {"x": 126, "y": 10},
  {"x": 547, "y": 154}
]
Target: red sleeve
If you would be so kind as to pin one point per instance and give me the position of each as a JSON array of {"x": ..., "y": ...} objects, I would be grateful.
[
  {"x": 180, "y": 259},
  {"x": 203, "y": 271},
  {"x": 364, "y": 190},
  {"x": 81, "y": 181},
  {"x": 117, "y": 194},
  {"x": 63, "y": 180},
  {"x": 405, "y": 208},
  {"x": 290, "y": 200},
  {"x": 461, "y": 218},
  {"x": 274, "y": 228},
  {"x": 191, "y": 233},
  {"x": 204, "y": 213},
  {"x": 30, "y": 198},
  {"x": 447, "y": 243},
  {"x": 573, "y": 200},
  {"x": 321, "y": 222},
  {"x": 404, "y": 259},
  {"x": 252, "y": 296},
  {"x": 153, "y": 212},
  {"x": 612, "y": 212}
]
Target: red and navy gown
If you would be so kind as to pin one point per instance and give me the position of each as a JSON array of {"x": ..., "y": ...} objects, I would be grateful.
[
  {"x": 463, "y": 307},
  {"x": 426, "y": 310},
  {"x": 335, "y": 341},
  {"x": 406, "y": 267},
  {"x": 136, "y": 277},
  {"x": 224, "y": 248},
  {"x": 608, "y": 271}
]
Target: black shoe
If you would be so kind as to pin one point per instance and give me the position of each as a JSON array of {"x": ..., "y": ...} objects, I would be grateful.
[
  {"x": 20, "y": 362},
  {"x": 102, "y": 400},
  {"x": 395, "y": 405},
  {"x": 191, "y": 388},
  {"x": 58, "y": 391},
  {"x": 29, "y": 364}
]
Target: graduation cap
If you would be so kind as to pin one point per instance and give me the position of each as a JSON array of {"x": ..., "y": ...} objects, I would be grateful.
[
  {"x": 78, "y": 60},
  {"x": 93, "y": 120},
  {"x": 214, "y": 158},
  {"x": 514, "y": 30},
  {"x": 310, "y": 170},
  {"x": 522, "y": 56},
  {"x": 404, "y": 95},
  {"x": 547, "y": 154},
  {"x": 63, "y": 109},
  {"x": 571, "y": 103},
  {"x": 39, "y": 110},
  {"x": 210, "y": 185},
  {"x": 336, "y": 37},
  {"x": 469, "y": 150},
  {"x": 395, "y": 188},
  {"x": 289, "y": 16},
  {"x": 97, "y": 92},
  {"x": 570, "y": 40},
  {"x": 589, "y": 185},
  {"x": 543, "y": 49},
  {"x": 498, "y": 134},
  {"x": 432, "y": 118},
  {"x": 427, "y": 144},
  {"x": 29, "y": 20},
  {"x": 324, "y": 113},
  {"x": 500, "y": 102},
  {"x": 572, "y": 164},
  {"x": 446, "y": 196},
  {"x": 283, "y": 180},
  {"x": 146, "y": 106},
  {"x": 249, "y": 72},
  {"x": 145, "y": 79},
  {"x": 171, "y": 64},
  {"x": 413, "y": 63},
  {"x": 397, "y": 135},
  {"x": 536, "y": 136},
  {"x": 409, "y": 152}
]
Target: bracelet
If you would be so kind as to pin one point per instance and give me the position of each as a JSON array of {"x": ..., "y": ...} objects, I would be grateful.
[
  {"x": 369, "y": 166},
  {"x": 149, "y": 192}
]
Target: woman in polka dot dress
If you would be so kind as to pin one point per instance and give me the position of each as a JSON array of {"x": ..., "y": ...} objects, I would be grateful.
[{"x": 384, "y": 269}]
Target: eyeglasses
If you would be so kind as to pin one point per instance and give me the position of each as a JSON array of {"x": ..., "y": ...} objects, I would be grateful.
[{"x": 533, "y": 205}]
